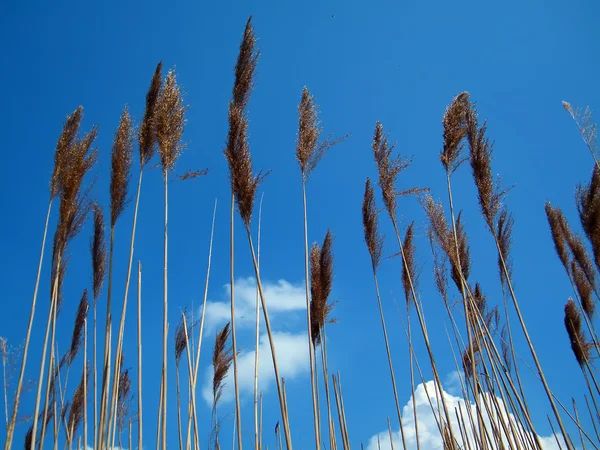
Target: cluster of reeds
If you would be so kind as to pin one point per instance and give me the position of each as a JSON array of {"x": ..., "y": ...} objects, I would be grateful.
[{"x": 481, "y": 338}]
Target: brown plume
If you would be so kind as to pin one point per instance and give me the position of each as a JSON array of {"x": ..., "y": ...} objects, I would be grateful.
[
  {"x": 77, "y": 337},
  {"x": 180, "y": 340},
  {"x": 506, "y": 353},
  {"x": 389, "y": 168},
  {"x": 443, "y": 236},
  {"x": 504, "y": 226},
  {"x": 308, "y": 149},
  {"x": 124, "y": 399},
  {"x": 98, "y": 249},
  {"x": 121, "y": 167},
  {"x": 28, "y": 438},
  {"x": 147, "y": 131},
  {"x": 63, "y": 149},
  {"x": 77, "y": 402},
  {"x": 222, "y": 359},
  {"x": 409, "y": 258},
  {"x": 440, "y": 269},
  {"x": 237, "y": 152},
  {"x": 581, "y": 349},
  {"x": 556, "y": 221},
  {"x": 170, "y": 121},
  {"x": 454, "y": 131},
  {"x": 321, "y": 271},
  {"x": 481, "y": 164},
  {"x": 588, "y": 205},
  {"x": 584, "y": 289},
  {"x": 371, "y": 226},
  {"x": 191, "y": 174}
]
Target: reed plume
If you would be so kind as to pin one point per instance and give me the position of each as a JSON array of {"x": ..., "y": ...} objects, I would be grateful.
[
  {"x": 584, "y": 289},
  {"x": 64, "y": 145},
  {"x": 147, "y": 130},
  {"x": 76, "y": 409},
  {"x": 121, "y": 167},
  {"x": 321, "y": 270},
  {"x": 579, "y": 345},
  {"x": 77, "y": 337},
  {"x": 588, "y": 205},
  {"x": 180, "y": 344},
  {"x": 124, "y": 400},
  {"x": 222, "y": 359},
  {"x": 455, "y": 129},
  {"x": 586, "y": 126},
  {"x": 409, "y": 268},
  {"x": 504, "y": 226},
  {"x": 373, "y": 239}
]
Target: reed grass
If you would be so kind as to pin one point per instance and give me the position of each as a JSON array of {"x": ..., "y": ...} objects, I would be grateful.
[{"x": 480, "y": 336}]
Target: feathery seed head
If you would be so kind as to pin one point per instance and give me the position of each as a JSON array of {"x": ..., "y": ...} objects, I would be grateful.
[
  {"x": 170, "y": 122},
  {"x": 222, "y": 359},
  {"x": 147, "y": 131},
  {"x": 581, "y": 349},
  {"x": 409, "y": 269},
  {"x": 454, "y": 131},
  {"x": 584, "y": 289},
  {"x": 63, "y": 147},
  {"x": 98, "y": 249},
  {"x": 308, "y": 150},
  {"x": 120, "y": 167},
  {"x": 373, "y": 239}
]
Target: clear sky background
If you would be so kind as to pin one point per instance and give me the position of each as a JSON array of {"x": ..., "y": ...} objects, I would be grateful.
[{"x": 394, "y": 61}]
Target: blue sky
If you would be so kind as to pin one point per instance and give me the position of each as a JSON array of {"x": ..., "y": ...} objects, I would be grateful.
[{"x": 397, "y": 62}]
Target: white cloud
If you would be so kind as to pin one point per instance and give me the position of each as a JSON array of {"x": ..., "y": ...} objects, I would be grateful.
[
  {"x": 292, "y": 360},
  {"x": 429, "y": 435},
  {"x": 281, "y": 297}
]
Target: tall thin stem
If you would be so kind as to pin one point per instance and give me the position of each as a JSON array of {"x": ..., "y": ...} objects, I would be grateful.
[
  {"x": 165, "y": 323},
  {"x": 257, "y": 344},
  {"x": 139, "y": 353},
  {"x": 311, "y": 352},
  {"x": 284, "y": 415},
  {"x": 118, "y": 353},
  {"x": 389, "y": 357},
  {"x": 13, "y": 420}
]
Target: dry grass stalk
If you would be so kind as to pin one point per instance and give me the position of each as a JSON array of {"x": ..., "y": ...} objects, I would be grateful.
[
  {"x": 257, "y": 433},
  {"x": 139, "y": 355}
]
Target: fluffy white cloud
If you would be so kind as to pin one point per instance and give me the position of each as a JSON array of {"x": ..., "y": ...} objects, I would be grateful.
[
  {"x": 429, "y": 435},
  {"x": 281, "y": 297},
  {"x": 292, "y": 359}
]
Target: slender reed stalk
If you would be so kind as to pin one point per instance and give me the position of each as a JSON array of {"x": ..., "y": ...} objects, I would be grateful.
[
  {"x": 374, "y": 243},
  {"x": 257, "y": 332},
  {"x": 139, "y": 355},
  {"x": 308, "y": 153}
]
